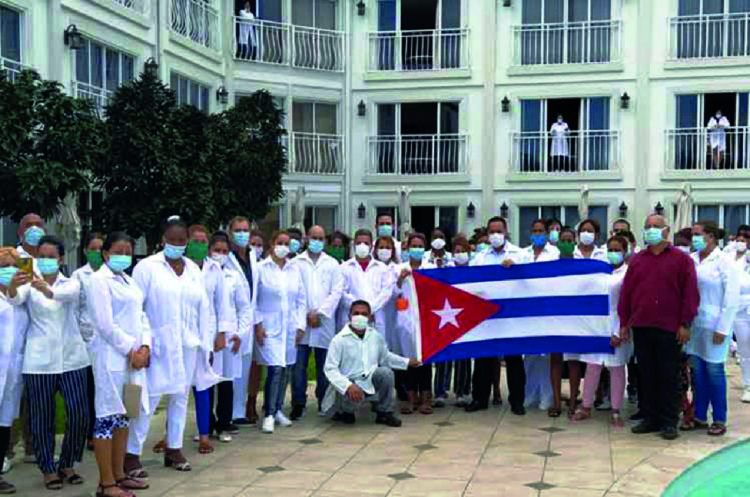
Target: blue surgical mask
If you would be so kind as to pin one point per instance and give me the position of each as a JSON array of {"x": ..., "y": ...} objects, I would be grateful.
[
  {"x": 294, "y": 245},
  {"x": 404, "y": 256},
  {"x": 699, "y": 243},
  {"x": 554, "y": 236},
  {"x": 315, "y": 246},
  {"x": 385, "y": 230},
  {"x": 615, "y": 258},
  {"x": 416, "y": 254},
  {"x": 653, "y": 236},
  {"x": 241, "y": 238},
  {"x": 482, "y": 247},
  {"x": 173, "y": 251},
  {"x": 119, "y": 263},
  {"x": 32, "y": 235},
  {"x": 539, "y": 240},
  {"x": 7, "y": 274},
  {"x": 47, "y": 265}
]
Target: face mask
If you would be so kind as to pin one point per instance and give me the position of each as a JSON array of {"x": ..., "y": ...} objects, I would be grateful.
[
  {"x": 699, "y": 243},
  {"x": 741, "y": 247},
  {"x": 539, "y": 240},
  {"x": 684, "y": 249},
  {"x": 482, "y": 247},
  {"x": 221, "y": 259},
  {"x": 119, "y": 263},
  {"x": 438, "y": 243},
  {"x": 554, "y": 236},
  {"x": 384, "y": 255},
  {"x": 497, "y": 240},
  {"x": 653, "y": 236},
  {"x": 566, "y": 248},
  {"x": 173, "y": 251},
  {"x": 294, "y": 245},
  {"x": 416, "y": 254},
  {"x": 258, "y": 251},
  {"x": 315, "y": 246},
  {"x": 32, "y": 235},
  {"x": 94, "y": 258},
  {"x": 362, "y": 250},
  {"x": 615, "y": 258},
  {"x": 281, "y": 251},
  {"x": 337, "y": 253},
  {"x": 47, "y": 265},
  {"x": 404, "y": 256},
  {"x": 7, "y": 274},
  {"x": 385, "y": 230},
  {"x": 241, "y": 238},
  {"x": 587, "y": 238},
  {"x": 461, "y": 258},
  {"x": 196, "y": 251},
  {"x": 360, "y": 322}
]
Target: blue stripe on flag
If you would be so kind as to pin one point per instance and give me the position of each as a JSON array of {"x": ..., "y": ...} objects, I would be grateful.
[
  {"x": 517, "y": 346},
  {"x": 566, "y": 305},
  {"x": 550, "y": 269}
]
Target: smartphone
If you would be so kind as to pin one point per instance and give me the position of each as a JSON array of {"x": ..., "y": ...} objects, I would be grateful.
[{"x": 26, "y": 264}]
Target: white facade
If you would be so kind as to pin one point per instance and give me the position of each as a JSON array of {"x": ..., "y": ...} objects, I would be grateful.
[{"x": 432, "y": 76}]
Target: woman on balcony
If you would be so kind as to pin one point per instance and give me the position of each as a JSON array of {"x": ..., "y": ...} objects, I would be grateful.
[{"x": 717, "y": 135}]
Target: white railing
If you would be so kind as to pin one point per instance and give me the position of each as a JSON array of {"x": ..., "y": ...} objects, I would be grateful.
[
  {"x": 258, "y": 40},
  {"x": 313, "y": 153},
  {"x": 703, "y": 149},
  {"x": 709, "y": 36},
  {"x": 422, "y": 50},
  {"x": 585, "y": 42},
  {"x": 11, "y": 67},
  {"x": 98, "y": 95},
  {"x": 417, "y": 154},
  {"x": 138, "y": 6},
  {"x": 588, "y": 151},
  {"x": 195, "y": 20}
]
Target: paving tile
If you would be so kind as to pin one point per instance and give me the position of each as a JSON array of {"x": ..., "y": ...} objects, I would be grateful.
[
  {"x": 540, "y": 485},
  {"x": 585, "y": 479},
  {"x": 401, "y": 476},
  {"x": 424, "y": 447},
  {"x": 200, "y": 490},
  {"x": 547, "y": 453},
  {"x": 270, "y": 469},
  {"x": 310, "y": 441},
  {"x": 303, "y": 480},
  {"x": 494, "y": 490},
  {"x": 429, "y": 488},
  {"x": 275, "y": 492},
  {"x": 358, "y": 484}
]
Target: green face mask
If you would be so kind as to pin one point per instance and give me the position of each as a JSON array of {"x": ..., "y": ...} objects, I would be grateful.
[
  {"x": 94, "y": 258},
  {"x": 566, "y": 248},
  {"x": 336, "y": 252},
  {"x": 196, "y": 251}
]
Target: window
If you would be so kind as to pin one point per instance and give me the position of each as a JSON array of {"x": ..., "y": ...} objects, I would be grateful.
[
  {"x": 728, "y": 216},
  {"x": 568, "y": 216},
  {"x": 711, "y": 28},
  {"x": 426, "y": 218},
  {"x": 324, "y": 216},
  {"x": 316, "y": 146},
  {"x": 10, "y": 41},
  {"x": 188, "y": 92},
  {"x": 99, "y": 70}
]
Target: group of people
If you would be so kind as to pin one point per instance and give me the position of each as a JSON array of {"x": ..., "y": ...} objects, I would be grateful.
[{"x": 217, "y": 313}]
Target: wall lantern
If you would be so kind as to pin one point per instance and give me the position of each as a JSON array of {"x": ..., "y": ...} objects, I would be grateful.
[
  {"x": 505, "y": 104},
  {"x": 361, "y": 211},
  {"x": 625, "y": 101},
  {"x": 659, "y": 209},
  {"x": 623, "y": 209},
  {"x": 73, "y": 38},
  {"x": 222, "y": 95},
  {"x": 504, "y": 211},
  {"x": 150, "y": 66},
  {"x": 506, "y": 3},
  {"x": 361, "y": 108},
  {"x": 360, "y": 8},
  {"x": 470, "y": 210}
]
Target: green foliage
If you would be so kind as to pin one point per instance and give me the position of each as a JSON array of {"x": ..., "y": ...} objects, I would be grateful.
[{"x": 49, "y": 143}]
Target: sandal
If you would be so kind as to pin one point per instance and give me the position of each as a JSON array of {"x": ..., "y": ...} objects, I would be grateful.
[
  {"x": 160, "y": 447},
  {"x": 173, "y": 458},
  {"x": 582, "y": 414},
  {"x": 133, "y": 467},
  {"x": 554, "y": 412},
  {"x": 426, "y": 406},
  {"x": 54, "y": 484},
  {"x": 72, "y": 479},
  {"x": 616, "y": 420},
  {"x": 406, "y": 407},
  {"x": 101, "y": 491},
  {"x": 128, "y": 483},
  {"x": 717, "y": 429},
  {"x": 687, "y": 424},
  {"x": 205, "y": 447}
]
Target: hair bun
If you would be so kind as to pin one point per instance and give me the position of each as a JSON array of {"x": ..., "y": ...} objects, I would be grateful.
[{"x": 173, "y": 218}]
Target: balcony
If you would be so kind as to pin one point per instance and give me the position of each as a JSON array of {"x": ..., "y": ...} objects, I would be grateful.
[
  {"x": 701, "y": 149},
  {"x": 417, "y": 155},
  {"x": 422, "y": 50},
  {"x": 257, "y": 40},
  {"x": 586, "y": 42},
  {"x": 99, "y": 96},
  {"x": 580, "y": 153},
  {"x": 709, "y": 36},
  {"x": 11, "y": 67},
  {"x": 138, "y": 6},
  {"x": 318, "y": 154},
  {"x": 196, "y": 21}
]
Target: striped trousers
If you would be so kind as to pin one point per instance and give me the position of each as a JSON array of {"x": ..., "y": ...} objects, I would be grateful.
[{"x": 41, "y": 390}]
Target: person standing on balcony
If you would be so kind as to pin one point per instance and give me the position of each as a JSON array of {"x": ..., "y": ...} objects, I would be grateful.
[
  {"x": 560, "y": 150},
  {"x": 248, "y": 42},
  {"x": 717, "y": 137}
]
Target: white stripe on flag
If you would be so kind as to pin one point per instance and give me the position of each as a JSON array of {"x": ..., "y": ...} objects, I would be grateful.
[
  {"x": 560, "y": 286},
  {"x": 573, "y": 326}
]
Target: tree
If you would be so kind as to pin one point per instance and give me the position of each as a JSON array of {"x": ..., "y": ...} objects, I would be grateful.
[{"x": 49, "y": 143}]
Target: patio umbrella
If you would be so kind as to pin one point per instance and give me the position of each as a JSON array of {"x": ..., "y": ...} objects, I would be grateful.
[
  {"x": 68, "y": 227},
  {"x": 583, "y": 203},
  {"x": 299, "y": 209},
  {"x": 684, "y": 203},
  {"x": 404, "y": 206}
]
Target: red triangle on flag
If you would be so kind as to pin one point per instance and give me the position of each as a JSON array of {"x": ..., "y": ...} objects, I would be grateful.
[{"x": 447, "y": 313}]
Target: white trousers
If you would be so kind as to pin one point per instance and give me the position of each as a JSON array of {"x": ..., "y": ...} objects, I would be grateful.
[
  {"x": 176, "y": 414},
  {"x": 742, "y": 331},
  {"x": 240, "y": 388}
]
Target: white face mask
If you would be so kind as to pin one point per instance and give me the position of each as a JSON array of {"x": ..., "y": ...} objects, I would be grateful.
[
  {"x": 360, "y": 322},
  {"x": 384, "y": 255},
  {"x": 438, "y": 243},
  {"x": 461, "y": 258},
  {"x": 362, "y": 250},
  {"x": 258, "y": 252},
  {"x": 587, "y": 238},
  {"x": 741, "y": 247},
  {"x": 497, "y": 240},
  {"x": 281, "y": 251},
  {"x": 685, "y": 250},
  {"x": 220, "y": 258}
]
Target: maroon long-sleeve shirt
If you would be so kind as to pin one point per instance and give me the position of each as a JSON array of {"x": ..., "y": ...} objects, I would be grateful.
[{"x": 659, "y": 291}]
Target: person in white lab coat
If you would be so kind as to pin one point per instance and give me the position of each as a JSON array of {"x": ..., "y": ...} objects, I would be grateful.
[
  {"x": 384, "y": 227},
  {"x": 559, "y": 147},
  {"x": 719, "y": 287},
  {"x": 248, "y": 41},
  {"x": 717, "y": 137},
  {"x": 55, "y": 360},
  {"x": 366, "y": 278},
  {"x": 324, "y": 285},
  {"x": 280, "y": 323},
  {"x": 31, "y": 229},
  {"x": 120, "y": 352},
  {"x": 178, "y": 312},
  {"x": 742, "y": 329},
  {"x": 438, "y": 255}
]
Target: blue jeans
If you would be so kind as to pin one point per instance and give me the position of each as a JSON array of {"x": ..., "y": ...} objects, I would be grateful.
[
  {"x": 443, "y": 373},
  {"x": 273, "y": 392},
  {"x": 710, "y": 387},
  {"x": 299, "y": 381}
]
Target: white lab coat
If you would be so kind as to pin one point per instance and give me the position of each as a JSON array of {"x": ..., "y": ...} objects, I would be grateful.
[
  {"x": 282, "y": 310},
  {"x": 559, "y": 132},
  {"x": 324, "y": 285},
  {"x": 599, "y": 254},
  {"x": 179, "y": 316},
  {"x": 85, "y": 321},
  {"x": 717, "y": 135},
  {"x": 719, "y": 287},
  {"x": 624, "y": 352},
  {"x": 226, "y": 363},
  {"x": 247, "y": 28},
  {"x": 13, "y": 323},
  {"x": 120, "y": 326},
  {"x": 251, "y": 290},
  {"x": 53, "y": 341},
  {"x": 429, "y": 258},
  {"x": 548, "y": 253},
  {"x": 392, "y": 337},
  {"x": 221, "y": 316},
  {"x": 407, "y": 320},
  {"x": 373, "y": 285}
]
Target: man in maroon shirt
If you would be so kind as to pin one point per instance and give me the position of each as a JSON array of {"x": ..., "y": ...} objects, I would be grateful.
[{"x": 659, "y": 300}]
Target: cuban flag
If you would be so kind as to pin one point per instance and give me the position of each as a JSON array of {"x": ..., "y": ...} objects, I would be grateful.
[{"x": 538, "y": 308}]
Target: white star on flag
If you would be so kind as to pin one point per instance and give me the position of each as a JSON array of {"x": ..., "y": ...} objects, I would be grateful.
[{"x": 448, "y": 315}]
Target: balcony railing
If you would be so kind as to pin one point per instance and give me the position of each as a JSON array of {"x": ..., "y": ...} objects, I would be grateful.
[
  {"x": 11, "y": 67},
  {"x": 703, "y": 149},
  {"x": 709, "y": 36},
  {"x": 258, "y": 40},
  {"x": 99, "y": 96},
  {"x": 313, "y": 153},
  {"x": 195, "y": 20},
  {"x": 417, "y": 154},
  {"x": 586, "y": 42},
  {"x": 138, "y": 6},
  {"x": 422, "y": 50},
  {"x": 588, "y": 151}
]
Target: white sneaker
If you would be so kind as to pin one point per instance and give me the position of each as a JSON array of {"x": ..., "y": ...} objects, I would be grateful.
[
  {"x": 225, "y": 438},
  {"x": 282, "y": 420},
  {"x": 746, "y": 395},
  {"x": 267, "y": 425},
  {"x": 7, "y": 464}
]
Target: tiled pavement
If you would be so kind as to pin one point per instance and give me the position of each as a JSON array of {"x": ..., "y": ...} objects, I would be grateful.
[{"x": 451, "y": 453}]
